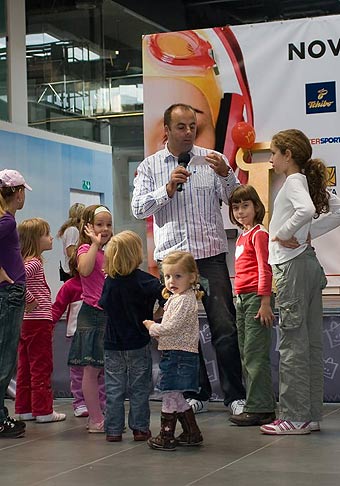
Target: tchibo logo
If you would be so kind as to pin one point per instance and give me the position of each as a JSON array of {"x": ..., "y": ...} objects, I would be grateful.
[{"x": 320, "y": 97}]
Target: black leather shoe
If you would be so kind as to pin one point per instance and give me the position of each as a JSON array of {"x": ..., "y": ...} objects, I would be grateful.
[{"x": 247, "y": 418}]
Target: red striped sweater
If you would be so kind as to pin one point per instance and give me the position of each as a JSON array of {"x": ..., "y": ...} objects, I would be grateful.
[{"x": 37, "y": 289}]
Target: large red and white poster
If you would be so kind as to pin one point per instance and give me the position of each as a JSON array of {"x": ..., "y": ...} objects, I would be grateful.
[{"x": 274, "y": 75}]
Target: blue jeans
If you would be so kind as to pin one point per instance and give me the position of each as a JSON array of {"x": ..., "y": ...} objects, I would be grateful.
[
  {"x": 12, "y": 303},
  {"x": 220, "y": 310},
  {"x": 128, "y": 374}
]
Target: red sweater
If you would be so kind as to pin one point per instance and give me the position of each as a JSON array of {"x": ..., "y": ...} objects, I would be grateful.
[
  {"x": 37, "y": 289},
  {"x": 252, "y": 270}
]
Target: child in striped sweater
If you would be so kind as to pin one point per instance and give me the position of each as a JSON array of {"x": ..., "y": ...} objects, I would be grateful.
[{"x": 34, "y": 396}]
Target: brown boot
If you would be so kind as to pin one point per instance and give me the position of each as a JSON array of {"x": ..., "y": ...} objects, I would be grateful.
[
  {"x": 191, "y": 435},
  {"x": 165, "y": 440}
]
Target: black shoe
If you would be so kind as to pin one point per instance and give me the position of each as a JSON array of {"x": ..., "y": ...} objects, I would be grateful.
[
  {"x": 11, "y": 430},
  {"x": 247, "y": 418},
  {"x": 18, "y": 423},
  {"x": 141, "y": 435},
  {"x": 160, "y": 443}
]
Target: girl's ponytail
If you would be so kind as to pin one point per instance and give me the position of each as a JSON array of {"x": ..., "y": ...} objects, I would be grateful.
[{"x": 317, "y": 178}]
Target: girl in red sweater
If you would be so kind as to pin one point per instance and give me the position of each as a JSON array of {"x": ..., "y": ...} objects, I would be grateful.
[
  {"x": 34, "y": 396},
  {"x": 254, "y": 306}
]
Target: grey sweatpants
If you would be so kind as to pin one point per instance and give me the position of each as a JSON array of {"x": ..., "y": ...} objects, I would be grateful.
[{"x": 299, "y": 284}]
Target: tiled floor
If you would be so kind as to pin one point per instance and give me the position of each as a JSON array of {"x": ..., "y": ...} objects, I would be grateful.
[{"x": 64, "y": 454}]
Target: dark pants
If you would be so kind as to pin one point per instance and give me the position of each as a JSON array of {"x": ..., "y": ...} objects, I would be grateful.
[
  {"x": 12, "y": 302},
  {"x": 219, "y": 307},
  {"x": 220, "y": 310}
]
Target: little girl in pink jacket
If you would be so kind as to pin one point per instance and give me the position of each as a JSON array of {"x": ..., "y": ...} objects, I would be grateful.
[{"x": 69, "y": 298}]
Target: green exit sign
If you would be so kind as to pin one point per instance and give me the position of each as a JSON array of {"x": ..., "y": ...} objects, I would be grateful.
[{"x": 86, "y": 186}]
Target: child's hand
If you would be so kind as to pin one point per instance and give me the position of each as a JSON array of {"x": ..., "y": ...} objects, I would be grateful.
[
  {"x": 265, "y": 314},
  {"x": 4, "y": 277},
  {"x": 158, "y": 314},
  {"x": 148, "y": 324},
  {"x": 89, "y": 231},
  {"x": 31, "y": 306},
  {"x": 291, "y": 243}
]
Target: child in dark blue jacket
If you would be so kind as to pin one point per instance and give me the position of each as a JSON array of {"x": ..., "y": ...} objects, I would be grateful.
[{"x": 128, "y": 297}]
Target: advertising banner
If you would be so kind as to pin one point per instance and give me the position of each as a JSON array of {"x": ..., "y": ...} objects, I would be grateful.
[{"x": 274, "y": 76}]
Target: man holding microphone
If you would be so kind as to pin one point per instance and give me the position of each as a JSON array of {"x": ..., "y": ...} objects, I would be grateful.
[{"x": 185, "y": 204}]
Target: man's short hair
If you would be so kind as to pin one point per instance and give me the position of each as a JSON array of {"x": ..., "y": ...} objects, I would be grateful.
[{"x": 168, "y": 111}]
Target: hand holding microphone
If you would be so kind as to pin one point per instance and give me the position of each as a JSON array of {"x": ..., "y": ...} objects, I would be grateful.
[
  {"x": 183, "y": 161},
  {"x": 178, "y": 177}
]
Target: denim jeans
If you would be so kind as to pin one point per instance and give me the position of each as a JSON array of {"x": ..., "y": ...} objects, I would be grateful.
[
  {"x": 220, "y": 310},
  {"x": 12, "y": 303},
  {"x": 128, "y": 374},
  {"x": 178, "y": 371}
]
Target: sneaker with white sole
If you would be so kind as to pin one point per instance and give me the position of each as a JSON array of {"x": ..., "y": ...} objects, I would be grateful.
[
  {"x": 286, "y": 427},
  {"x": 51, "y": 417},
  {"x": 236, "y": 406},
  {"x": 96, "y": 428},
  {"x": 81, "y": 411},
  {"x": 198, "y": 406},
  {"x": 26, "y": 417},
  {"x": 314, "y": 426}
]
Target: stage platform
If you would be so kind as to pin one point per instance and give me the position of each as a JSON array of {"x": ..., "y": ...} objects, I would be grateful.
[{"x": 331, "y": 333}]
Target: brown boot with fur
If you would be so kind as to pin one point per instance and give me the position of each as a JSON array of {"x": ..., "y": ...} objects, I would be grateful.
[
  {"x": 191, "y": 435},
  {"x": 165, "y": 440}
]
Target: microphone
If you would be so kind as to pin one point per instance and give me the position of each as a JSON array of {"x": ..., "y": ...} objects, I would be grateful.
[{"x": 183, "y": 160}]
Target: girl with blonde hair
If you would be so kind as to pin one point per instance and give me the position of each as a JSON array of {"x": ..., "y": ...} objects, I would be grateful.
[
  {"x": 87, "y": 343},
  {"x": 129, "y": 296},
  {"x": 69, "y": 234},
  {"x": 178, "y": 336},
  {"x": 34, "y": 395}
]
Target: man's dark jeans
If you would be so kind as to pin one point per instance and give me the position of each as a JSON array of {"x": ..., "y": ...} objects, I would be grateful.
[
  {"x": 220, "y": 310},
  {"x": 12, "y": 302}
]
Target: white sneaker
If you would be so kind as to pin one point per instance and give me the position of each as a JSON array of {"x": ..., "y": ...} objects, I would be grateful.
[
  {"x": 314, "y": 426},
  {"x": 81, "y": 411},
  {"x": 96, "y": 428},
  {"x": 26, "y": 416},
  {"x": 286, "y": 427},
  {"x": 198, "y": 406},
  {"x": 51, "y": 417},
  {"x": 236, "y": 406}
]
